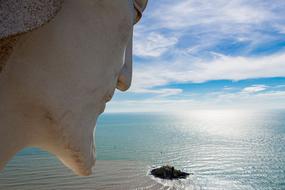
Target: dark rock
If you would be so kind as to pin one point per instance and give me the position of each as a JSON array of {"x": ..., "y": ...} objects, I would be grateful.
[{"x": 168, "y": 172}]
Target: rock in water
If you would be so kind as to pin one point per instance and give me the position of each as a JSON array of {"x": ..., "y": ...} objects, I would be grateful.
[{"x": 168, "y": 172}]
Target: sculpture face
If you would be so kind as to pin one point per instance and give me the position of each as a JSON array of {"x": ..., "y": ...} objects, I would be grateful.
[{"x": 59, "y": 77}]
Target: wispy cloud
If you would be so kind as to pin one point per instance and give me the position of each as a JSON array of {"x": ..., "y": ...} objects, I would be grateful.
[
  {"x": 254, "y": 89},
  {"x": 186, "y": 42},
  {"x": 208, "y": 24},
  {"x": 196, "y": 41},
  {"x": 221, "y": 100},
  {"x": 222, "y": 67},
  {"x": 153, "y": 45},
  {"x": 161, "y": 92},
  {"x": 187, "y": 13},
  {"x": 281, "y": 28}
]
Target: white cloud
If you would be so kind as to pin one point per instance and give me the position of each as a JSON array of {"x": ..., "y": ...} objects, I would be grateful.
[
  {"x": 280, "y": 28},
  {"x": 161, "y": 92},
  {"x": 153, "y": 44},
  {"x": 150, "y": 105},
  {"x": 264, "y": 99},
  {"x": 207, "y": 23},
  {"x": 176, "y": 38},
  {"x": 219, "y": 100},
  {"x": 254, "y": 89},
  {"x": 183, "y": 70},
  {"x": 187, "y": 13}
]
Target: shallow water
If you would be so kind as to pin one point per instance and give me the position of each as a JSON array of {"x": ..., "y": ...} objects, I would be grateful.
[{"x": 223, "y": 149}]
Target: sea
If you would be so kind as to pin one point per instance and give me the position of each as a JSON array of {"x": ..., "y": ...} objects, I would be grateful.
[{"x": 221, "y": 149}]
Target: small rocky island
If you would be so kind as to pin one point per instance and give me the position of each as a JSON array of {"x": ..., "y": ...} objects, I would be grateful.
[{"x": 168, "y": 172}]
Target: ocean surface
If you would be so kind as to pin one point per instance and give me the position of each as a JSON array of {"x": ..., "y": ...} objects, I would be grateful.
[{"x": 225, "y": 149}]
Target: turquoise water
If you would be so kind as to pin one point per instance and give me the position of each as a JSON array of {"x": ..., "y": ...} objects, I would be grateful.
[{"x": 223, "y": 149}]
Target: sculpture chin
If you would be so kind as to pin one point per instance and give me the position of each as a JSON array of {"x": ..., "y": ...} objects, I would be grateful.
[
  {"x": 76, "y": 149},
  {"x": 80, "y": 160},
  {"x": 68, "y": 134},
  {"x": 74, "y": 146}
]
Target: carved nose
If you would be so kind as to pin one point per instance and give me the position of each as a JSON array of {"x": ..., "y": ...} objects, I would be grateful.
[
  {"x": 124, "y": 80},
  {"x": 125, "y": 76}
]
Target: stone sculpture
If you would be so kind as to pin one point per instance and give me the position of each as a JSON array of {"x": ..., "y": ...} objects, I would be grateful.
[{"x": 60, "y": 62}]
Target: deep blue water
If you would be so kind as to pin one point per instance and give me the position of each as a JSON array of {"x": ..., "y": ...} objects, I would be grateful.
[{"x": 223, "y": 149}]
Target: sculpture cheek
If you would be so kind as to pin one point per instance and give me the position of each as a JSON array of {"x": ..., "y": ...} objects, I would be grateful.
[{"x": 125, "y": 28}]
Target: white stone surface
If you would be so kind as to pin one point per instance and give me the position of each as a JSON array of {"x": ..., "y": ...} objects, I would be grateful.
[{"x": 60, "y": 76}]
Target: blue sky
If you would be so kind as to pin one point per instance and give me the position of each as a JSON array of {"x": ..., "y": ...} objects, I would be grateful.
[{"x": 192, "y": 54}]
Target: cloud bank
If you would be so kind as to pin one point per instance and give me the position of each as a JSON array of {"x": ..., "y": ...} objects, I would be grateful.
[{"x": 183, "y": 43}]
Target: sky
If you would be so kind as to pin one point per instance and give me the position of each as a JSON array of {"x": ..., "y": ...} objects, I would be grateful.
[{"x": 192, "y": 54}]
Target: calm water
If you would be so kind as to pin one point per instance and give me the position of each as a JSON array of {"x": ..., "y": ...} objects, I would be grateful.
[{"x": 223, "y": 150}]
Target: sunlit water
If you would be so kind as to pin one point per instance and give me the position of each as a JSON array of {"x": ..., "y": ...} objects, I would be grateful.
[{"x": 223, "y": 149}]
